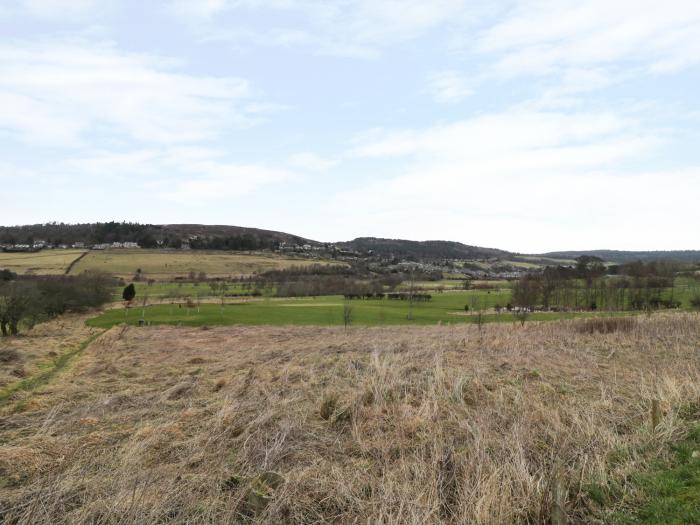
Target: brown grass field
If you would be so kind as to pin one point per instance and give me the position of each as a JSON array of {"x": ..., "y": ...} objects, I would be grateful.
[
  {"x": 26, "y": 356},
  {"x": 168, "y": 264},
  {"x": 45, "y": 262},
  {"x": 371, "y": 425}
]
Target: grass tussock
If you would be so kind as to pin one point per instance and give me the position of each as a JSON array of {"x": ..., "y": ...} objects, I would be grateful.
[
  {"x": 606, "y": 325},
  {"x": 320, "y": 425}
]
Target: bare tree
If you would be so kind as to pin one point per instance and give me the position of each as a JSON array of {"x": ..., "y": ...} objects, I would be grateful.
[{"x": 347, "y": 315}]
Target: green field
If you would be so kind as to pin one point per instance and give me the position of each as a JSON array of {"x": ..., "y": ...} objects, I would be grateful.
[
  {"x": 169, "y": 264},
  {"x": 326, "y": 311},
  {"x": 44, "y": 262},
  {"x": 166, "y": 291}
]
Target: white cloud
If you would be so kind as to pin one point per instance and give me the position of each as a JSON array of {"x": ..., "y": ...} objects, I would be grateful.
[
  {"x": 311, "y": 161},
  {"x": 65, "y": 93},
  {"x": 49, "y": 8},
  {"x": 448, "y": 86},
  {"x": 541, "y": 36},
  {"x": 223, "y": 181},
  {"x": 357, "y": 28},
  {"x": 496, "y": 178},
  {"x": 493, "y": 135}
]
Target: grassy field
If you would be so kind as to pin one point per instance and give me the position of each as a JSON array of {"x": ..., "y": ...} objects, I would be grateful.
[
  {"x": 411, "y": 425},
  {"x": 166, "y": 291},
  {"x": 327, "y": 311},
  {"x": 45, "y": 262},
  {"x": 166, "y": 265}
]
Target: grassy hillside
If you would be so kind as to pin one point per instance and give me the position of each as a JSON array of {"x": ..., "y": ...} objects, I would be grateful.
[
  {"x": 168, "y": 264},
  {"x": 414, "y": 425}
]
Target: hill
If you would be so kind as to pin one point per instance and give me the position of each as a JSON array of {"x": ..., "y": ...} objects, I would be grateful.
[
  {"x": 621, "y": 257},
  {"x": 224, "y": 237},
  {"x": 150, "y": 235},
  {"x": 422, "y": 249}
]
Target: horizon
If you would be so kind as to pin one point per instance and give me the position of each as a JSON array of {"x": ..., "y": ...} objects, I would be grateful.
[
  {"x": 336, "y": 241},
  {"x": 523, "y": 126}
]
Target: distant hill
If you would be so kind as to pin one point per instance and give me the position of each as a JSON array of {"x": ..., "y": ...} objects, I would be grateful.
[
  {"x": 621, "y": 257},
  {"x": 207, "y": 230},
  {"x": 223, "y": 237},
  {"x": 149, "y": 235},
  {"x": 422, "y": 249}
]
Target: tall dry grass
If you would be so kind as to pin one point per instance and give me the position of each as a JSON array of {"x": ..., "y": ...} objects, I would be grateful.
[{"x": 314, "y": 425}]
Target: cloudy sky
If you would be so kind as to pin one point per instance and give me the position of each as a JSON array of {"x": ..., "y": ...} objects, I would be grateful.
[{"x": 524, "y": 125}]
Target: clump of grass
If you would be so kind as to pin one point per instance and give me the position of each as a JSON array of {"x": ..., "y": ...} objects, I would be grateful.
[
  {"x": 606, "y": 325},
  {"x": 329, "y": 403},
  {"x": 9, "y": 355}
]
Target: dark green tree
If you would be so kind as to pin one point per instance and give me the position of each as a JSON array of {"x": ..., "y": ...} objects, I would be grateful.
[{"x": 129, "y": 293}]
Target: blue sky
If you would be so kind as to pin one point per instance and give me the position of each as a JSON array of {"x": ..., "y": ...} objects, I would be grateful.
[{"x": 523, "y": 125}]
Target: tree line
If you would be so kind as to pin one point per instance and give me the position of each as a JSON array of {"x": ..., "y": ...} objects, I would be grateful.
[
  {"x": 316, "y": 280},
  {"x": 590, "y": 285},
  {"x": 24, "y": 301}
]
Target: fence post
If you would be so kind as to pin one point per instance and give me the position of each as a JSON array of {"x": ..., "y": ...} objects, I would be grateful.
[
  {"x": 558, "y": 508},
  {"x": 655, "y": 414}
]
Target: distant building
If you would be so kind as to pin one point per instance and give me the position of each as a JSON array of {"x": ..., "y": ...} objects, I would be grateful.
[
  {"x": 130, "y": 245},
  {"x": 102, "y": 246},
  {"x": 78, "y": 245}
]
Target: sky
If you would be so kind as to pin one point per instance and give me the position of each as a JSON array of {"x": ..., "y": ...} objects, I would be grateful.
[{"x": 525, "y": 125}]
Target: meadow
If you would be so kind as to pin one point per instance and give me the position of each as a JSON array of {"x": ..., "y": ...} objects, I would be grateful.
[
  {"x": 169, "y": 264},
  {"x": 409, "y": 424},
  {"x": 167, "y": 303},
  {"x": 45, "y": 262},
  {"x": 445, "y": 307},
  {"x": 167, "y": 290}
]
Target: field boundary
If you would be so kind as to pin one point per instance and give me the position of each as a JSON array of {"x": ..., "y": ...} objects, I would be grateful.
[
  {"x": 74, "y": 262},
  {"x": 42, "y": 378}
]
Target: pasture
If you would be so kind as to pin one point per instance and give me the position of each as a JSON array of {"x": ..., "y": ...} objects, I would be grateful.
[
  {"x": 416, "y": 425},
  {"x": 160, "y": 291},
  {"x": 44, "y": 262},
  {"x": 444, "y": 308},
  {"x": 171, "y": 264}
]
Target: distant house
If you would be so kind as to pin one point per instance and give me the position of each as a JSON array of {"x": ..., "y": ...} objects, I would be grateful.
[
  {"x": 39, "y": 244},
  {"x": 78, "y": 245},
  {"x": 130, "y": 245},
  {"x": 102, "y": 246},
  {"x": 21, "y": 248}
]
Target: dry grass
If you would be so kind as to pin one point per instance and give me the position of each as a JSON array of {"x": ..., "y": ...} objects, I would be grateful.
[
  {"x": 168, "y": 264},
  {"x": 313, "y": 425},
  {"x": 44, "y": 262},
  {"x": 35, "y": 350},
  {"x": 607, "y": 325}
]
